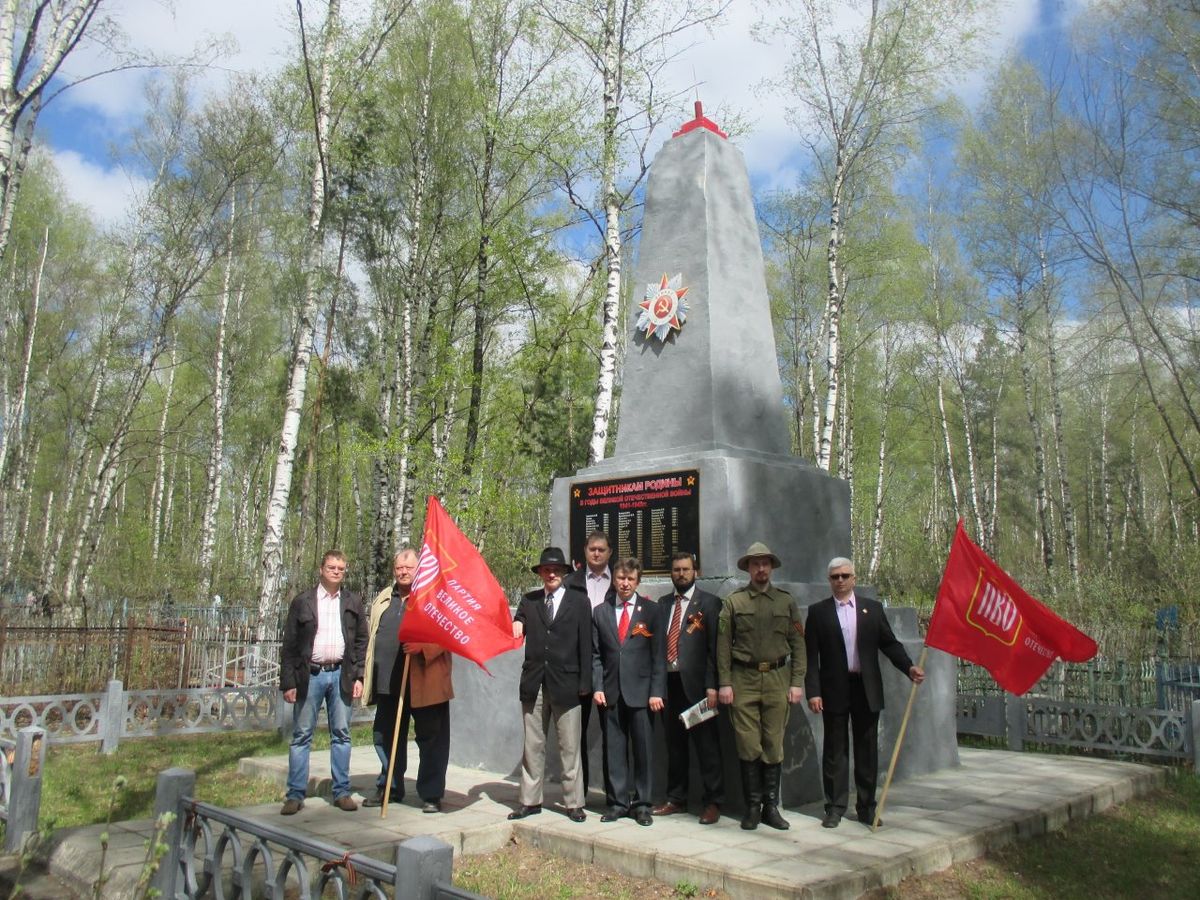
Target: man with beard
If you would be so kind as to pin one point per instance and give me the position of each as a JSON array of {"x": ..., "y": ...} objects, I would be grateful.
[{"x": 690, "y": 618}]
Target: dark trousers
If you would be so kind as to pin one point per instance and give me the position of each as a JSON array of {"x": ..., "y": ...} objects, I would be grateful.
[
  {"x": 705, "y": 738},
  {"x": 586, "y": 705},
  {"x": 433, "y": 746},
  {"x": 628, "y": 734},
  {"x": 863, "y": 727}
]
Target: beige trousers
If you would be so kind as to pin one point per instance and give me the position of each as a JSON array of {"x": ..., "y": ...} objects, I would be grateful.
[{"x": 536, "y": 718}]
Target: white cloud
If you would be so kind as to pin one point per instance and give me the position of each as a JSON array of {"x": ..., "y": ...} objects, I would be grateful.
[
  {"x": 109, "y": 193},
  {"x": 257, "y": 35}
]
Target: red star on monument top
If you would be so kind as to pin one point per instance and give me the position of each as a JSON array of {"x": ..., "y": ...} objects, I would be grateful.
[{"x": 701, "y": 121}]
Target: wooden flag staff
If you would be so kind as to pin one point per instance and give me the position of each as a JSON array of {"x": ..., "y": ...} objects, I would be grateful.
[
  {"x": 912, "y": 694},
  {"x": 387, "y": 785}
]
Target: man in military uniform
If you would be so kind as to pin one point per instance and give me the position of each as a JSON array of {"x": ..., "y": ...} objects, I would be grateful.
[{"x": 760, "y": 671}]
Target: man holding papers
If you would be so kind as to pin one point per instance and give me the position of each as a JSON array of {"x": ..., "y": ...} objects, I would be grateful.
[{"x": 689, "y": 618}]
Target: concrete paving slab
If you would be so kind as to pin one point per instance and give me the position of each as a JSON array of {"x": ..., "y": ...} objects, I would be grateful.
[{"x": 992, "y": 799}]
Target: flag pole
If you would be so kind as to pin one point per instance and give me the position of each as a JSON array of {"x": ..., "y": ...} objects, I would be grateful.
[
  {"x": 387, "y": 785},
  {"x": 912, "y": 694}
]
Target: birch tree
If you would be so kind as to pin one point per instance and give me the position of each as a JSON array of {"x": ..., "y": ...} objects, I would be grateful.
[
  {"x": 859, "y": 75},
  {"x": 35, "y": 39},
  {"x": 321, "y": 94},
  {"x": 623, "y": 43}
]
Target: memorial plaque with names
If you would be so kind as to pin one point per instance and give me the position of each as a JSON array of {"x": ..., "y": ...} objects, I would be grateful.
[{"x": 648, "y": 517}]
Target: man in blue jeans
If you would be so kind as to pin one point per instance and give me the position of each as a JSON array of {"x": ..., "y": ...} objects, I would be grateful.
[{"x": 321, "y": 662}]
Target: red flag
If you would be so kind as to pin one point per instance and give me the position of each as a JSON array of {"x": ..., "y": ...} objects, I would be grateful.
[
  {"x": 456, "y": 601},
  {"x": 983, "y": 616}
]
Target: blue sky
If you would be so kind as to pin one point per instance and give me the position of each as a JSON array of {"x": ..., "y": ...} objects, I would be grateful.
[{"x": 84, "y": 127}]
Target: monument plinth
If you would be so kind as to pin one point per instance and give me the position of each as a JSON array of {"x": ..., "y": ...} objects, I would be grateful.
[{"x": 700, "y": 388}]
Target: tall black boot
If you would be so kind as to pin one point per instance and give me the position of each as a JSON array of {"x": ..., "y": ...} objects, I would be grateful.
[
  {"x": 752, "y": 789},
  {"x": 770, "y": 807}
]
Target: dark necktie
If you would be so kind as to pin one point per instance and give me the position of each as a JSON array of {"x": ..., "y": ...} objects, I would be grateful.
[
  {"x": 623, "y": 625},
  {"x": 550, "y": 605}
]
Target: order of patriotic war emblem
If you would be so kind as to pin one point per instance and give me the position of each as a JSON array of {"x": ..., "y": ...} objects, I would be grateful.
[{"x": 663, "y": 308}]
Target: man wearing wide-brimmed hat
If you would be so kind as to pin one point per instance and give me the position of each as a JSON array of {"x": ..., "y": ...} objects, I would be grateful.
[
  {"x": 760, "y": 671},
  {"x": 557, "y": 623}
]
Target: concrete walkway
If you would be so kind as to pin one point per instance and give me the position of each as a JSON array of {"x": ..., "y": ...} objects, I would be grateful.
[{"x": 931, "y": 822}]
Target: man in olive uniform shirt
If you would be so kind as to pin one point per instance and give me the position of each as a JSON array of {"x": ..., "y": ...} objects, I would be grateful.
[{"x": 760, "y": 671}]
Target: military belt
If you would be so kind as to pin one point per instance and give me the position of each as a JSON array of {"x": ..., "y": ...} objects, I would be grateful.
[{"x": 762, "y": 666}]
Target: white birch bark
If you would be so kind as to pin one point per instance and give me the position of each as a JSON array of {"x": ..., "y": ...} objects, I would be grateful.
[
  {"x": 42, "y": 36},
  {"x": 271, "y": 561},
  {"x": 881, "y": 473},
  {"x": 215, "y": 467},
  {"x": 160, "y": 469},
  {"x": 611, "y": 63},
  {"x": 14, "y": 420},
  {"x": 833, "y": 316},
  {"x": 1066, "y": 500},
  {"x": 1021, "y": 324}
]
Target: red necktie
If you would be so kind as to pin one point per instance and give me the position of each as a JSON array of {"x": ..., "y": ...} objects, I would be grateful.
[
  {"x": 673, "y": 631},
  {"x": 623, "y": 625}
]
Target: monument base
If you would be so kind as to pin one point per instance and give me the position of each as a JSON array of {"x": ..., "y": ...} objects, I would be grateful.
[{"x": 801, "y": 512}]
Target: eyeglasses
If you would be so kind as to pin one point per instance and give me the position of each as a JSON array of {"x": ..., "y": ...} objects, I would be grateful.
[{"x": 841, "y": 576}]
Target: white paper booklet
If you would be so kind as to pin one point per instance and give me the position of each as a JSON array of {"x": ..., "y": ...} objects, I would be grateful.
[{"x": 694, "y": 715}]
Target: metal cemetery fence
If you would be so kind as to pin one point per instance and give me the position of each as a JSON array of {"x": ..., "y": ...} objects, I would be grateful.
[
  {"x": 1151, "y": 710},
  {"x": 184, "y": 653},
  {"x": 21, "y": 764},
  {"x": 216, "y": 852},
  {"x": 111, "y": 715}
]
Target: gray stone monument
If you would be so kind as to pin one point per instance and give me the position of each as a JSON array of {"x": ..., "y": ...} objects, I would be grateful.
[{"x": 701, "y": 393}]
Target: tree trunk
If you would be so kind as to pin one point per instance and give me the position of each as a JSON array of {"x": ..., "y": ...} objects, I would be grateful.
[
  {"x": 606, "y": 378},
  {"x": 215, "y": 471},
  {"x": 160, "y": 469},
  {"x": 270, "y": 594},
  {"x": 833, "y": 311},
  {"x": 880, "y": 476},
  {"x": 1035, "y": 429},
  {"x": 1070, "y": 541}
]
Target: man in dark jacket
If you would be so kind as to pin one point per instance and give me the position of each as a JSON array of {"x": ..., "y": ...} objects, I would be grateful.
[
  {"x": 690, "y": 618},
  {"x": 629, "y": 673},
  {"x": 844, "y": 636},
  {"x": 557, "y": 624},
  {"x": 321, "y": 661}
]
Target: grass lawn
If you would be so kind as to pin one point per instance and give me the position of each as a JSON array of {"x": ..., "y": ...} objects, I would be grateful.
[
  {"x": 1149, "y": 847},
  {"x": 78, "y": 783}
]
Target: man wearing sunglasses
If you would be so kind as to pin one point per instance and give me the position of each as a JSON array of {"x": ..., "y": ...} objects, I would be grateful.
[{"x": 843, "y": 636}]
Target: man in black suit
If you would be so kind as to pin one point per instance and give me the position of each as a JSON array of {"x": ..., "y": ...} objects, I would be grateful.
[
  {"x": 844, "y": 636},
  {"x": 629, "y": 672},
  {"x": 689, "y": 616},
  {"x": 557, "y": 624}
]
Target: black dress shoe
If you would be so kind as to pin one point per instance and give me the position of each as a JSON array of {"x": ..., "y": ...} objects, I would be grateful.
[
  {"x": 868, "y": 819},
  {"x": 577, "y": 814},
  {"x": 431, "y": 806},
  {"x": 376, "y": 800},
  {"x": 522, "y": 811},
  {"x": 831, "y": 820},
  {"x": 643, "y": 816},
  {"x": 613, "y": 814}
]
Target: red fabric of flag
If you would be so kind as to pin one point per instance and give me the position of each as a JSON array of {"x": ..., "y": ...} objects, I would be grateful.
[
  {"x": 983, "y": 615},
  {"x": 456, "y": 601}
]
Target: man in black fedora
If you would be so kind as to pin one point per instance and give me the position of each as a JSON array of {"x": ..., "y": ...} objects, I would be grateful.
[{"x": 557, "y": 624}]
